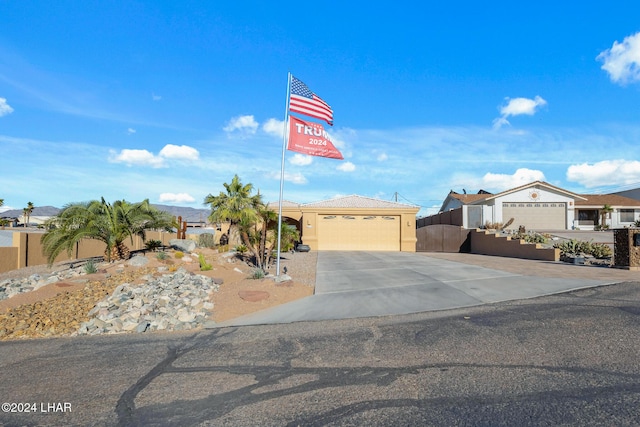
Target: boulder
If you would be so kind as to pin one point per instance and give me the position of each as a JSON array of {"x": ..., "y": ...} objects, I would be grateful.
[
  {"x": 184, "y": 245},
  {"x": 138, "y": 261}
]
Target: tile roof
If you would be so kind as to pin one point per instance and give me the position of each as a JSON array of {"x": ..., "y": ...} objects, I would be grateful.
[
  {"x": 355, "y": 201},
  {"x": 600, "y": 200},
  {"x": 285, "y": 204}
]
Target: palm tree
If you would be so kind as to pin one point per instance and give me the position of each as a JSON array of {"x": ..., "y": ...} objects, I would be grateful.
[
  {"x": 99, "y": 220},
  {"x": 604, "y": 212},
  {"x": 25, "y": 215},
  {"x": 29, "y": 210},
  {"x": 1, "y": 202},
  {"x": 235, "y": 205}
]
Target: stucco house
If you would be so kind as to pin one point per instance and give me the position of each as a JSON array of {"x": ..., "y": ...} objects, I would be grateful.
[
  {"x": 542, "y": 206},
  {"x": 353, "y": 223}
]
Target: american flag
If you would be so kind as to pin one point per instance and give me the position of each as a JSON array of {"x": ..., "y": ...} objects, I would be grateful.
[{"x": 305, "y": 102}]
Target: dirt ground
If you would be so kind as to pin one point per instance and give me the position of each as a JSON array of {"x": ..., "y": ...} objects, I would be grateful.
[{"x": 239, "y": 293}]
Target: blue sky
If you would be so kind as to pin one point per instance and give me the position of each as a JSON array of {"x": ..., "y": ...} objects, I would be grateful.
[{"x": 168, "y": 100}]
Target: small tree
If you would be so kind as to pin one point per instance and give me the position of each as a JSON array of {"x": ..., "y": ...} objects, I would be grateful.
[{"x": 605, "y": 211}]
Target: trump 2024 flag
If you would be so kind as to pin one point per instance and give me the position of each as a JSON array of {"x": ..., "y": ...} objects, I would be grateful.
[
  {"x": 303, "y": 101},
  {"x": 311, "y": 139}
]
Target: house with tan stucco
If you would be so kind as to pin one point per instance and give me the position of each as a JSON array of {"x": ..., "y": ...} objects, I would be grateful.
[{"x": 353, "y": 223}]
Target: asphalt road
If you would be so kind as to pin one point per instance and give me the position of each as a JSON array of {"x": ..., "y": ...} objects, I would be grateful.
[{"x": 567, "y": 359}]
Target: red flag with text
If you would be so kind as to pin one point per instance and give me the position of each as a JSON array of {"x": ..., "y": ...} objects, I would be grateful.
[{"x": 311, "y": 139}]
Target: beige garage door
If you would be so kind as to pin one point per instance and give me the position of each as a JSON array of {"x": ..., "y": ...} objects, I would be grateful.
[
  {"x": 536, "y": 216},
  {"x": 358, "y": 233}
]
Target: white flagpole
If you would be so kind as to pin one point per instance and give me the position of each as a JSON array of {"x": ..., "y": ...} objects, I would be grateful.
[{"x": 285, "y": 137}]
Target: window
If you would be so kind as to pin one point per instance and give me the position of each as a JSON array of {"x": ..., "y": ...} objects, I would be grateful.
[{"x": 627, "y": 215}]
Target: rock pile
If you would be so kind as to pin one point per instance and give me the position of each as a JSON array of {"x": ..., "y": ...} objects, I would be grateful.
[
  {"x": 178, "y": 301},
  {"x": 11, "y": 287}
]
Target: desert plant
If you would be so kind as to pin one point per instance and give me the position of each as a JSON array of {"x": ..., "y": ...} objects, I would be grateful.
[
  {"x": 90, "y": 267},
  {"x": 206, "y": 240},
  {"x": 637, "y": 223},
  {"x": 111, "y": 223},
  {"x": 173, "y": 268},
  {"x": 178, "y": 255},
  {"x": 161, "y": 256},
  {"x": 223, "y": 248},
  {"x": 569, "y": 247},
  {"x": 600, "y": 250},
  {"x": 152, "y": 245},
  {"x": 532, "y": 237},
  {"x": 257, "y": 273},
  {"x": 204, "y": 266},
  {"x": 241, "y": 249}
]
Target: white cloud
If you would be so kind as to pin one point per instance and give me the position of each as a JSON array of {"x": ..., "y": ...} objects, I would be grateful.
[
  {"x": 301, "y": 160},
  {"x": 156, "y": 97},
  {"x": 604, "y": 173},
  {"x": 274, "y": 127},
  {"x": 382, "y": 157},
  {"x": 244, "y": 124},
  {"x": 176, "y": 198},
  {"x": 181, "y": 152},
  {"x": 622, "y": 61},
  {"x": 518, "y": 107},
  {"x": 4, "y": 107},
  {"x": 347, "y": 167},
  {"x": 501, "y": 182},
  {"x": 136, "y": 157},
  {"x": 131, "y": 131}
]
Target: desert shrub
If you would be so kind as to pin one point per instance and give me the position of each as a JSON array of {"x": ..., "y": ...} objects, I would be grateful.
[
  {"x": 204, "y": 266},
  {"x": 179, "y": 254},
  {"x": 241, "y": 249},
  {"x": 257, "y": 273},
  {"x": 90, "y": 267},
  {"x": 206, "y": 240},
  {"x": 532, "y": 237},
  {"x": 161, "y": 256},
  {"x": 173, "y": 268},
  {"x": 152, "y": 245},
  {"x": 569, "y": 247},
  {"x": 600, "y": 250},
  {"x": 223, "y": 248}
]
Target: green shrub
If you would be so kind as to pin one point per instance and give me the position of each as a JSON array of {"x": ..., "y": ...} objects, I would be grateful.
[
  {"x": 206, "y": 240},
  {"x": 241, "y": 249},
  {"x": 204, "y": 266},
  {"x": 257, "y": 273},
  {"x": 569, "y": 247},
  {"x": 161, "y": 255},
  {"x": 179, "y": 254},
  {"x": 223, "y": 248},
  {"x": 152, "y": 245},
  {"x": 90, "y": 267},
  {"x": 600, "y": 250}
]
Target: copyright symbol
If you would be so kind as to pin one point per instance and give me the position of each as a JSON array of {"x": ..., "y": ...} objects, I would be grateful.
[{"x": 6, "y": 407}]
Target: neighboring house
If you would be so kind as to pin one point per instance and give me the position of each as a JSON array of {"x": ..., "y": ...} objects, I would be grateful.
[
  {"x": 542, "y": 206},
  {"x": 353, "y": 223}
]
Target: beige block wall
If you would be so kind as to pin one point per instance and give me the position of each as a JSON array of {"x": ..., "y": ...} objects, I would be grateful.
[
  {"x": 486, "y": 243},
  {"x": 27, "y": 249}
]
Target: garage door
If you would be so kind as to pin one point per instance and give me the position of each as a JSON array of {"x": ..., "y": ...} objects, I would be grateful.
[
  {"x": 535, "y": 216},
  {"x": 359, "y": 233}
]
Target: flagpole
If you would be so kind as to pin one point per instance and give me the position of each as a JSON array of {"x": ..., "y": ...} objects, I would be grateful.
[{"x": 285, "y": 135}]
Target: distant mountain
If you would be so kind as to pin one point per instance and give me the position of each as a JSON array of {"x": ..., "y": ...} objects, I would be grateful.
[
  {"x": 187, "y": 214},
  {"x": 37, "y": 211}
]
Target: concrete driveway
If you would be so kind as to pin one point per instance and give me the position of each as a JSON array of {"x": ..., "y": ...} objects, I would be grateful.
[{"x": 368, "y": 284}]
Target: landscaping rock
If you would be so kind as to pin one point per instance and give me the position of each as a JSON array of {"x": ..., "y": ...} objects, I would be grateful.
[
  {"x": 184, "y": 245},
  {"x": 178, "y": 301}
]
